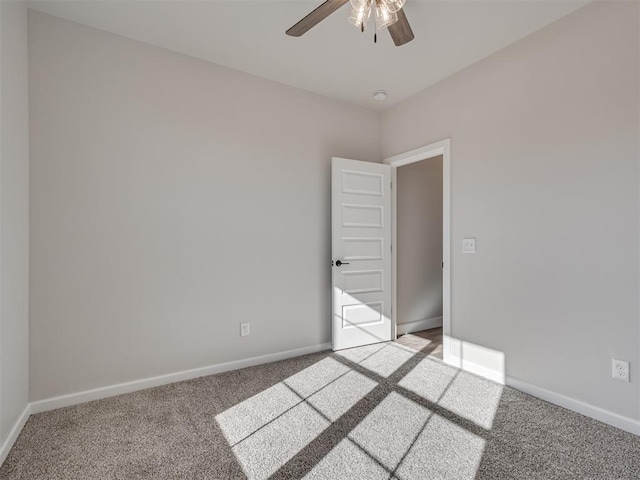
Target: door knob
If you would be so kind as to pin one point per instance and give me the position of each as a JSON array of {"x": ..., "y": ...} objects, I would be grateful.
[{"x": 340, "y": 263}]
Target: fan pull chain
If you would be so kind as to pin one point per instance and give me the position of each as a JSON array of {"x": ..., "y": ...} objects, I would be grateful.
[
  {"x": 374, "y": 11},
  {"x": 375, "y": 27},
  {"x": 375, "y": 33}
]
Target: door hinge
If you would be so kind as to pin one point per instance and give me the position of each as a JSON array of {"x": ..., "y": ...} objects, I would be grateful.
[{"x": 391, "y": 185}]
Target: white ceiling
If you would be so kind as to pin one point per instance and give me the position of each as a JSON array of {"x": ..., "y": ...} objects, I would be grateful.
[{"x": 333, "y": 58}]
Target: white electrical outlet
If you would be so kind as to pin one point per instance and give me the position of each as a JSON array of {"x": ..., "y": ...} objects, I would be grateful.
[
  {"x": 620, "y": 370},
  {"x": 245, "y": 329},
  {"x": 468, "y": 245}
]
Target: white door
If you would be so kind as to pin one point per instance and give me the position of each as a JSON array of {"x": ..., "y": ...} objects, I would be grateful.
[{"x": 361, "y": 250}]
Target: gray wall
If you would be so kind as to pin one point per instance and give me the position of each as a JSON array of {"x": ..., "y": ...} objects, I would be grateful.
[
  {"x": 170, "y": 196},
  {"x": 419, "y": 242},
  {"x": 171, "y": 199},
  {"x": 14, "y": 216},
  {"x": 544, "y": 167}
]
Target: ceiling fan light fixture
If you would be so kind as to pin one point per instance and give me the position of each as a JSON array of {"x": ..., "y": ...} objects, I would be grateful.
[
  {"x": 387, "y": 16},
  {"x": 394, "y": 5},
  {"x": 359, "y": 16},
  {"x": 359, "y": 3},
  {"x": 384, "y": 17}
]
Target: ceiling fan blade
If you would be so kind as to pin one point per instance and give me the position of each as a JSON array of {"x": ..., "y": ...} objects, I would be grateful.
[
  {"x": 315, "y": 17},
  {"x": 401, "y": 30}
]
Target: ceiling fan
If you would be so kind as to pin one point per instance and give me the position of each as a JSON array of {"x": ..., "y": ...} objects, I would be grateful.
[{"x": 388, "y": 14}]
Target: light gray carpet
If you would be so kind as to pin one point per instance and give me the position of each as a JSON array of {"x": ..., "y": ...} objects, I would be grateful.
[{"x": 376, "y": 412}]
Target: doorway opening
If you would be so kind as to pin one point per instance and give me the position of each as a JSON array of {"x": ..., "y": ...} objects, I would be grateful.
[{"x": 420, "y": 255}]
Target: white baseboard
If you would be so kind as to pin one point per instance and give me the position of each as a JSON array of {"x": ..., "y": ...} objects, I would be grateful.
[
  {"x": 481, "y": 370},
  {"x": 623, "y": 423},
  {"x": 419, "y": 325},
  {"x": 128, "y": 387},
  {"x": 13, "y": 434}
]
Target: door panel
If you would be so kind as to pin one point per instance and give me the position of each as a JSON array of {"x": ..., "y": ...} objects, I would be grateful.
[{"x": 361, "y": 240}]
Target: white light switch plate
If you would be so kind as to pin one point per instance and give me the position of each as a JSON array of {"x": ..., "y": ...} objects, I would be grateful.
[{"x": 468, "y": 245}]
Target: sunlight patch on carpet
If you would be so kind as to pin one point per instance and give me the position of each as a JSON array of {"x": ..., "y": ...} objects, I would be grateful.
[
  {"x": 316, "y": 377},
  {"x": 439, "y": 375},
  {"x": 473, "y": 398},
  {"x": 444, "y": 451},
  {"x": 387, "y": 360},
  {"x": 346, "y": 460},
  {"x": 339, "y": 397},
  {"x": 241, "y": 420},
  {"x": 268, "y": 449},
  {"x": 388, "y": 432}
]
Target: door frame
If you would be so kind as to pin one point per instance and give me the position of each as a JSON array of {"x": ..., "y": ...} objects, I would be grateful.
[{"x": 432, "y": 150}]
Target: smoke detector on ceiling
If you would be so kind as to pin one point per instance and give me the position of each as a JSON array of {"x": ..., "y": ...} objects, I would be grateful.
[{"x": 380, "y": 95}]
